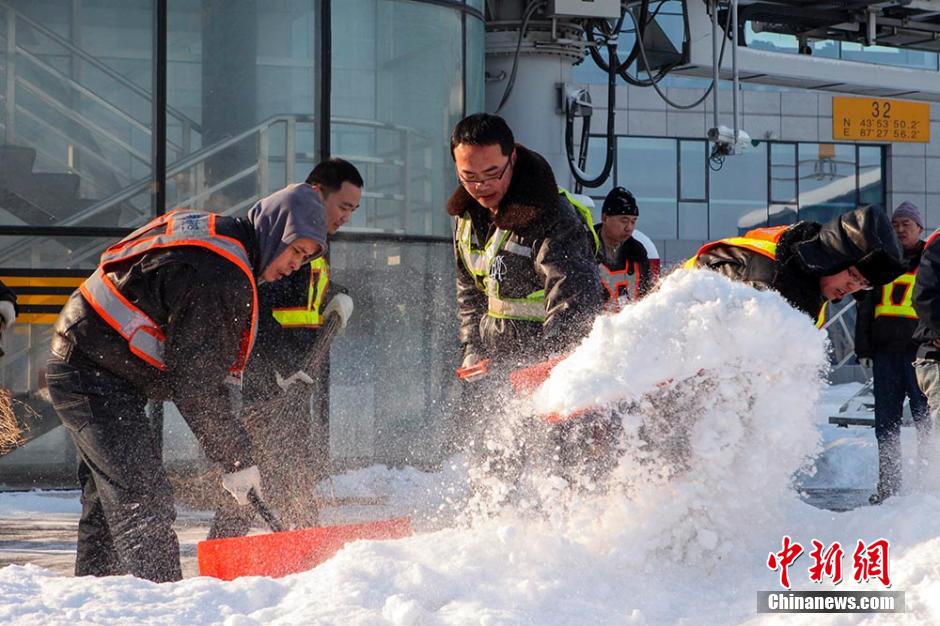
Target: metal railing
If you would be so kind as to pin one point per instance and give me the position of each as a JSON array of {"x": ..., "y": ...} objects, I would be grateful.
[
  {"x": 71, "y": 124},
  {"x": 841, "y": 336}
]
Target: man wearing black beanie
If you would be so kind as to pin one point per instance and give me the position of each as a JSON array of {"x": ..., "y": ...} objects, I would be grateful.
[{"x": 623, "y": 261}]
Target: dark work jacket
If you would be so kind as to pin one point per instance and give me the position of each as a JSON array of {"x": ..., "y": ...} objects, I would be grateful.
[
  {"x": 202, "y": 302},
  {"x": 630, "y": 251},
  {"x": 562, "y": 263},
  {"x": 7, "y": 294},
  {"x": 280, "y": 349},
  {"x": 784, "y": 274},
  {"x": 926, "y": 301},
  {"x": 885, "y": 333},
  {"x": 807, "y": 251}
]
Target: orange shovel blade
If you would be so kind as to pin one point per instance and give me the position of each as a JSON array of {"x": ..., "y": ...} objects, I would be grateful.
[
  {"x": 527, "y": 379},
  {"x": 289, "y": 552}
]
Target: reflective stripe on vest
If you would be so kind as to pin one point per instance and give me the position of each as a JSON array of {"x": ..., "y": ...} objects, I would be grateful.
[
  {"x": 177, "y": 228},
  {"x": 483, "y": 263},
  {"x": 308, "y": 316},
  {"x": 585, "y": 215},
  {"x": 480, "y": 263},
  {"x": 760, "y": 240},
  {"x": 889, "y": 307}
]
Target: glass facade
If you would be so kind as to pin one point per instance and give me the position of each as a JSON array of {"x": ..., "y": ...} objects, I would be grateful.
[
  {"x": 682, "y": 195},
  {"x": 846, "y": 50},
  {"x": 246, "y": 85}
]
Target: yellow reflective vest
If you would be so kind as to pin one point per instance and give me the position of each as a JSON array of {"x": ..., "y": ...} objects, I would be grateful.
[
  {"x": 896, "y": 297},
  {"x": 308, "y": 316},
  {"x": 481, "y": 263}
]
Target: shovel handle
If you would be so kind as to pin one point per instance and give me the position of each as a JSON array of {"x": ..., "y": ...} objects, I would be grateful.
[{"x": 265, "y": 512}]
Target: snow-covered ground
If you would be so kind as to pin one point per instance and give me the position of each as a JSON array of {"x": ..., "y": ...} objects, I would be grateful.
[{"x": 679, "y": 538}]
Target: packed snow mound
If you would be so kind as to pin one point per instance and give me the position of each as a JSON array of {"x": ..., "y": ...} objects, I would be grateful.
[
  {"x": 712, "y": 386},
  {"x": 695, "y": 320}
]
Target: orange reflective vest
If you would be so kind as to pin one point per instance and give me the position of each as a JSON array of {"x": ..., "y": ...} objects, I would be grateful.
[
  {"x": 181, "y": 227},
  {"x": 308, "y": 316},
  {"x": 763, "y": 241}
]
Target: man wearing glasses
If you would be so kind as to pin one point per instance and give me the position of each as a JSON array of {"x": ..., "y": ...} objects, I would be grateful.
[
  {"x": 810, "y": 263},
  {"x": 527, "y": 284}
]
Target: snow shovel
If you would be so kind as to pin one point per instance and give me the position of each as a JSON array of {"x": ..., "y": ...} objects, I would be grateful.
[{"x": 284, "y": 552}]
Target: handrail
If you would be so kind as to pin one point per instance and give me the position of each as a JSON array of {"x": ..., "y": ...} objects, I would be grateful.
[
  {"x": 839, "y": 317},
  {"x": 103, "y": 67},
  {"x": 196, "y": 158}
]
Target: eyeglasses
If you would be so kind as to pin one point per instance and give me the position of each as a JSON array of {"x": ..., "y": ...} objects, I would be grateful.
[
  {"x": 467, "y": 182},
  {"x": 860, "y": 281}
]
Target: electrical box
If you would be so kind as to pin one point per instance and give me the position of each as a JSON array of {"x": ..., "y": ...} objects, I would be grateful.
[{"x": 609, "y": 9}]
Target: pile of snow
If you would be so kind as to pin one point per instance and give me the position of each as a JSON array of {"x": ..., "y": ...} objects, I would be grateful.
[{"x": 687, "y": 544}]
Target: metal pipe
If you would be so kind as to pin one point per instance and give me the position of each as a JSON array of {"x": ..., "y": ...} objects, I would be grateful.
[
  {"x": 734, "y": 68},
  {"x": 715, "y": 61}
]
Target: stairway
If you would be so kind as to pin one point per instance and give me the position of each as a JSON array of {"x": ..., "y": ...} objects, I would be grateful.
[{"x": 41, "y": 198}]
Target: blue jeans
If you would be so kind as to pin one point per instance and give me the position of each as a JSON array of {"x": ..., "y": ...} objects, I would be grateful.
[
  {"x": 895, "y": 378},
  {"x": 127, "y": 501}
]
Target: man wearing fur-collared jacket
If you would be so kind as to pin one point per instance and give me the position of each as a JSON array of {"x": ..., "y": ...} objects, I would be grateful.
[{"x": 527, "y": 283}]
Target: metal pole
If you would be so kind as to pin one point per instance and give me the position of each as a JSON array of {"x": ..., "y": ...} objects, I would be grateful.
[
  {"x": 734, "y": 67},
  {"x": 158, "y": 111},
  {"x": 326, "y": 77},
  {"x": 714, "y": 6}
]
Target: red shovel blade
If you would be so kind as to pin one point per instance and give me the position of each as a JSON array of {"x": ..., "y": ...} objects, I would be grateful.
[
  {"x": 527, "y": 379},
  {"x": 288, "y": 552}
]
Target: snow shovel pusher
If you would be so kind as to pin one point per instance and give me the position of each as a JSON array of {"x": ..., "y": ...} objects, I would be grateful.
[{"x": 282, "y": 551}]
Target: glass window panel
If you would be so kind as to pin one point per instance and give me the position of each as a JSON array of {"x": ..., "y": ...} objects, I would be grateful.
[
  {"x": 476, "y": 44},
  {"x": 827, "y": 180},
  {"x": 693, "y": 220},
  {"x": 27, "y": 343},
  {"x": 871, "y": 189},
  {"x": 647, "y": 167},
  {"x": 692, "y": 170},
  {"x": 787, "y": 44},
  {"x": 738, "y": 194},
  {"x": 397, "y": 94},
  {"x": 78, "y": 130},
  {"x": 240, "y": 85},
  {"x": 404, "y": 338},
  {"x": 783, "y": 172},
  {"x": 884, "y": 55}
]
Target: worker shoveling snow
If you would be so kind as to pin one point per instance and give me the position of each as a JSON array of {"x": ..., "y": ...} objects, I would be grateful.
[{"x": 664, "y": 544}]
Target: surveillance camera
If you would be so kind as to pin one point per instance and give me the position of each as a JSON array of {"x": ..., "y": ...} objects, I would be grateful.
[{"x": 725, "y": 141}]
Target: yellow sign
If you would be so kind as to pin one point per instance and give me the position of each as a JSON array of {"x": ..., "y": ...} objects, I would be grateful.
[{"x": 878, "y": 119}]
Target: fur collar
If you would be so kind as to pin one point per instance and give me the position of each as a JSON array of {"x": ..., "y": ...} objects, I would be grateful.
[{"x": 532, "y": 194}]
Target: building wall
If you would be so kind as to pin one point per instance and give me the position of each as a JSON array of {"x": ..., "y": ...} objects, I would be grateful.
[{"x": 912, "y": 170}]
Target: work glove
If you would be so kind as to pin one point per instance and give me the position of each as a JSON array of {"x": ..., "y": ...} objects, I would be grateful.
[
  {"x": 299, "y": 376},
  {"x": 865, "y": 361},
  {"x": 340, "y": 304},
  {"x": 474, "y": 367},
  {"x": 241, "y": 482}
]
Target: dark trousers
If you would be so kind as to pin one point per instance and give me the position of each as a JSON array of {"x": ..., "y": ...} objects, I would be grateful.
[
  {"x": 127, "y": 501},
  {"x": 895, "y": 378}
]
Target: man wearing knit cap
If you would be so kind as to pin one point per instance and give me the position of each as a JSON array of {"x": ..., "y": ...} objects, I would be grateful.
[
  {"x": 884, "y": 329},
  {"x": 620, "y": 256},
  {"x": 170, "y": 314}
]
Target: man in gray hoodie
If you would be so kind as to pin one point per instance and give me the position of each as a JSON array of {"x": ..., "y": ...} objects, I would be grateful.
[{"x": 170, "y": 314}]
